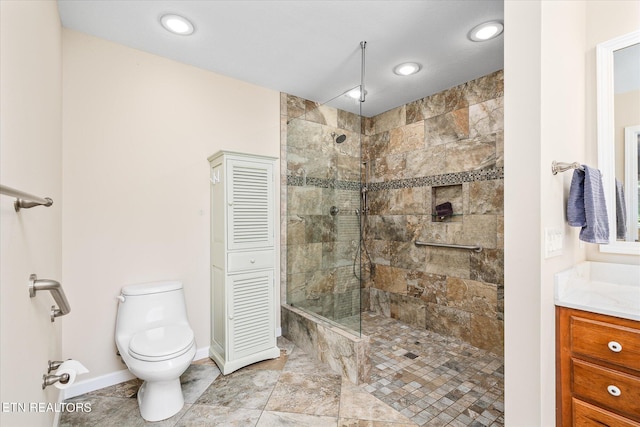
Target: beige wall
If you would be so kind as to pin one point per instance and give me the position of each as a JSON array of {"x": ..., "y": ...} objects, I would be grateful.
[
  {"x": 548, "y": 116},
  {"x": 30, "y": 160},
  {"x": 137, "y": 133}
]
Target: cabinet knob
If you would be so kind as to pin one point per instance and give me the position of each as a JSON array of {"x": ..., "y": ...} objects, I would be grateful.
[
  {"x": 614, "y": 346},
  {"x": 614, "y": 391},
  {"x": 252, "y": 260}
]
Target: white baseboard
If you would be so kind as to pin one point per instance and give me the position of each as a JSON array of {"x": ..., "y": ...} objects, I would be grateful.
[
  {"x": 201, "y": 353},
  {"x": 113, "y": 378},
  {"x": 92, "y": 384}
]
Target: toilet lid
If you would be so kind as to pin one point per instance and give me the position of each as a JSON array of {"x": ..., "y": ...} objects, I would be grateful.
[{"x": 162, "y": 343}]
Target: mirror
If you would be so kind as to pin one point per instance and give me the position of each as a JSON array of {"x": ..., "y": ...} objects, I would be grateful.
[{"x": 618, "y": 114}]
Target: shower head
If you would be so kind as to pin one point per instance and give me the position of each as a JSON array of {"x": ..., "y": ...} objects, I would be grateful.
[{"x": 339, "y": 139}]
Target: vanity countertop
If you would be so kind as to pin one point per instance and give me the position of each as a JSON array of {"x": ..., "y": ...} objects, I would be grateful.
[{"x": 605, "y": 288}]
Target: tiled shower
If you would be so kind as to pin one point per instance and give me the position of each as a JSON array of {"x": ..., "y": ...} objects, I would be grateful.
[
  {"x": 445, "y": 148},
  {"x": 323, "y": 216}
]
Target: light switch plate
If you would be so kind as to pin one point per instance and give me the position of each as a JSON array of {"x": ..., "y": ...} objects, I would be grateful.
[{"x": 553, "y": 238}]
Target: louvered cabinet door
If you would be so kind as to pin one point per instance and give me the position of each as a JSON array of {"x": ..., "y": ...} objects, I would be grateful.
[
  {"x": 251, "y": 326},
  {"x": 250, "y": 205}
]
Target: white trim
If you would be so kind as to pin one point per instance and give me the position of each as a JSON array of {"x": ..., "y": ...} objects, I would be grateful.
[
  {"x": 56, "y": 417},
  {"x": 631, "y": 138},
  {"x": 92, "y": 384},
  {"x": 201, "y": 353},
  {"x": 113, "y": 378},
  {"x": 605, "y": 126}
]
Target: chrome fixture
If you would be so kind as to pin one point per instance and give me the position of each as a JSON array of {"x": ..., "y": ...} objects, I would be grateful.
[
  {"x": 364, "y": 190},
  {"x": 363, "y": 46},
  {"x": 25, "y": 200},
  {"x": 338, "y": 139},
  {"x": 48, "y": 380},
  {"x": 53, "y": 365},
  {"x": 56, "y": 291},
  {"x": 446, "y": 245},
  {"x": 334, "y": 211},
  {"x": 562, "y": 167}
]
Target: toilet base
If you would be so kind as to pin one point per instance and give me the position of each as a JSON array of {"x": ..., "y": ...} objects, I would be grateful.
[{"x": 159, "y": 400}]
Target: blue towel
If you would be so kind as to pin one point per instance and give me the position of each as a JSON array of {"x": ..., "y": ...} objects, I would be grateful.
[
  {"x": 586, "y": 206},
  {"x": 621, "y": 212}
]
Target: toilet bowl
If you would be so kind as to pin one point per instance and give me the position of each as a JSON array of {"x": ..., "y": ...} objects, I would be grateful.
[{"x": 156, "y": 343}]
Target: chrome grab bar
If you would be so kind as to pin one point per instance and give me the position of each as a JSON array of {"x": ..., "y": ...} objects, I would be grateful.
[
  {"x": 56, "y": 292},
  {"x": 475, "y": 248},
  {"x": 24, "y": 200}
]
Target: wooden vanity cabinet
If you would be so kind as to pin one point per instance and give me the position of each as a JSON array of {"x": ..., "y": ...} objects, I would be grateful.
[{"x": 597, "y": 370}]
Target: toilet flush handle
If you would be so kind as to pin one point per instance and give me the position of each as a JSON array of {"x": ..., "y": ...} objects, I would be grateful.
[{"x": 120, "y": 298}]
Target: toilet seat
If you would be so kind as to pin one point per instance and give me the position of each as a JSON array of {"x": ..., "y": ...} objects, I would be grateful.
[{"x": 161, "y": 343}]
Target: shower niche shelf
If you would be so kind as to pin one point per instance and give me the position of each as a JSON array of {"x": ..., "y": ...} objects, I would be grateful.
[
  {"x": 445, "y": 218},
  {"x": 449, "y": 198}
]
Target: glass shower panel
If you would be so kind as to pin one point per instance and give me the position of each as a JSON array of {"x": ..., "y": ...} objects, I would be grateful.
[{"x": 323, "y": 212}]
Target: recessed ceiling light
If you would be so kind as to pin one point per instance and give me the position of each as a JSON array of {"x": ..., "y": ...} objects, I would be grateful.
[
  {"x": 486, "y": 31},
  {"x": 355, "y": 93},
  {"x": 406, "y": 69},
  {"x": 177, "y": 24}
]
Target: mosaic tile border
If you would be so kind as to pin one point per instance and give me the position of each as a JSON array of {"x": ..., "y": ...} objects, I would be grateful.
[
  {"x": 424, "y": 181},
  {"x": 298, "y": 181},
  {"x": 436, "y": 180}
]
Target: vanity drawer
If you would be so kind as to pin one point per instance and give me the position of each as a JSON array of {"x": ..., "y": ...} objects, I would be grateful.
[
  {"x": 241, "y": 261},
  {"x": 586, "y": 415},
  {"x": 612, "y": 343},
  {"x": 614, "y": 390}
]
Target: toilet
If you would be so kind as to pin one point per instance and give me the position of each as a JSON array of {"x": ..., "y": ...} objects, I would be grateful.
[{"x": 156, "y": 343}]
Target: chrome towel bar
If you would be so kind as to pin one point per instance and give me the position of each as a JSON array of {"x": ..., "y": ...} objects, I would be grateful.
[
  {"x": 562, "y": 167},
  {"x": 24, "y": 200},
  {"x": 56, "y": 292},
  {"x": 475, "y": 248}
]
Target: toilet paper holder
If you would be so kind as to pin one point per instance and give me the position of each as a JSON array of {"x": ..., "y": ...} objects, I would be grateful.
[{"x": 50, "y": 379}]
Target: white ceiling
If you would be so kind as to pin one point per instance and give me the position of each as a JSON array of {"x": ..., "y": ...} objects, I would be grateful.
[{"x": 310, "y": 48}]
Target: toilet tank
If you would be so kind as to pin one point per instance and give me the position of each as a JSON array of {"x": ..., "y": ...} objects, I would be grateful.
[{"x": 149, "y": 305}]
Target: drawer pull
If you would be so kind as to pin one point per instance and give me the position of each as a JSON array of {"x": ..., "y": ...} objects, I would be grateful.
[
  {"x": 253, "y": 261},
  {"x": 614, "y": 391},
  {"x": 614, "y": 346}
]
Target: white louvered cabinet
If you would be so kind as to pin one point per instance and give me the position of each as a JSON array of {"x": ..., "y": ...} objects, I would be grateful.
[{"x": 243, "y": 260}]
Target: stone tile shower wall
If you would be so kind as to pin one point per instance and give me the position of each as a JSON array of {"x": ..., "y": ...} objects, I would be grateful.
[
  {"x": 447, "y": 147},
  {"x": 320, "y": 174}
]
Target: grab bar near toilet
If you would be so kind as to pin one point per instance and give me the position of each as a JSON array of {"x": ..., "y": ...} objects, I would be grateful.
[{"x": 57, "y": 293}]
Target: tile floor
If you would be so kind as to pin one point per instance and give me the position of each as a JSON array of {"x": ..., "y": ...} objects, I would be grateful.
[
  {"x": 418, "y": 378},
  {"x": 432, "y": 379}
]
